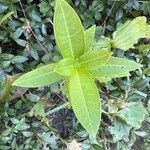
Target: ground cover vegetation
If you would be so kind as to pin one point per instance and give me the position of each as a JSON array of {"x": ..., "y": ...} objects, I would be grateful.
[{"x": 39, "y": 118}]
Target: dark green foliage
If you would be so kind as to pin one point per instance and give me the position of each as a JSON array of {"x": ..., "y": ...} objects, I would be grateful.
[{"x": 20, "y": 126}]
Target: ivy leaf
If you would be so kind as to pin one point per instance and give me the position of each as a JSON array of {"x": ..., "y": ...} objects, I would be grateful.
[
  {"x": 38, "y": 109},
  {"x": 114, "y": 68},
  {"x": 44, "y": 7},
  {"x": 65, "y": 67},
  {"x": 89, "y": 37},
  {"x": 85, "y": 101},
  {"x": 39, "y": 77},
  {"x": 3, "y": 7},
  {"x": 128, "y": 33},
  {"x": 119, "y": 131},
  {"x": 133, "y": 113},
  {"x": 93, "y": 59},
  {"x": 19, "y": 59},
  {"x": 68, "y": 30}
]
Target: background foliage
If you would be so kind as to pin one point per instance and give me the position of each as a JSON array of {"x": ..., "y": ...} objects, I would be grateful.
[{"x": 29, "y": 120}]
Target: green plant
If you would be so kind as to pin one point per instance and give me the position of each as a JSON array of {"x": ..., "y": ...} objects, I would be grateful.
[{"x": 84, "y": 61}]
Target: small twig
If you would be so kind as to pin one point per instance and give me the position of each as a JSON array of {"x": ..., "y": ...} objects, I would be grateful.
[
  {"x": 60, "y": 97},
  {"x": 103, "y": 111},
  {"x": 104, "y": 22},
  {"x": 108, "y": 95},
  {"x": 28, "y": 24},
  {"x": 57, "y": 108},
  {"x": 51, "y": 22}
]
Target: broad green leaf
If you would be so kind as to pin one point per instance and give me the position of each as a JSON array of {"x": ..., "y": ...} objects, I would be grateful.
[
  {"x": 68, "y": 30},
  {"x": 128, "y": 33},
  {"x": 89, "y": 37},
  {"x": 5, "y": 17},
  {"x": 93, "y": 59},
  {"x": 133, "y": 113},
  {"x": 115, "y": 67},
  {"x": 119, "y": 131},
  {"x": 39, "y": 77},
  {"x": 65, "y": 67},
  {"x": 85, "y": 102}
]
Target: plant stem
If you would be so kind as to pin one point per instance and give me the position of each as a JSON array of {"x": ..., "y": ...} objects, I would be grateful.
[{"x": 57, "y": 108}]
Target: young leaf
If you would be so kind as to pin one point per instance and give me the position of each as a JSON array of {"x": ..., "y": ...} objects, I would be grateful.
[
  {"x": 94, "y": 58},
  {"x": 85, "y": 102},
  {"x": 68, "y": 30},
  {"x": 115, "y": 67},
  {"x": 39, "y": 77},
  {"x": 65, "y": 67},
  {"x": 89, "y": 35},
  {"x": 128, "y": 33}
]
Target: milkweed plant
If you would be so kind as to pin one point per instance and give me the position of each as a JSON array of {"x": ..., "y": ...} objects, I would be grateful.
[{"x": 86, "y": 60}]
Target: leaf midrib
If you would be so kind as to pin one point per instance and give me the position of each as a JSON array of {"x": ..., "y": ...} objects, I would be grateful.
[
  {"x": 68, "y": 35},
  {"x": 60, "y": 68},
  {"x": 25, "y": 79},
  {"x": 88, "y": 61},
  {"x": 84, "y": 100}
]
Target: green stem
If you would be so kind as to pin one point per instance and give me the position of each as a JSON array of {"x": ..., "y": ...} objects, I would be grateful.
[{"x": 57, "y": 108}]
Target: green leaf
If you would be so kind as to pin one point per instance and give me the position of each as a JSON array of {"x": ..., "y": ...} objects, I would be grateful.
[
  {"x": 44, "y": 7},
  {"x": 39, "y": 77},
  {"x": 103, "y": 44},
  {"x": 5, "y": 17},
  {"x": 65, "y": 67},
  {"x": 38, "y": 109},
  {"x": 3, "y": 7},
  {"x": 89, "y": 35},
  {"x": 94, "y": 59},
  {"x": 115, "y": 67},
  {"x": 85, "y": 101},
  {"x": 133, "y": 113},
  {"x": 128, "y": 33},
  {"x": 119, "y": 131},
  {"x": 144, "y": 48},
  {"x": 68, "y": 30},
  {"x": 19, "y": 59},
  {"x": 22, "y": 126},
  {"x": 5, "y": 87},
  {"x": 147, "y": 71}
]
